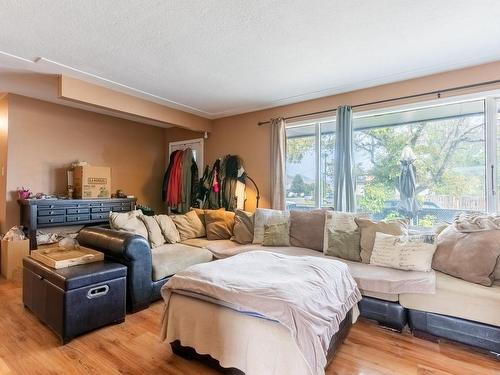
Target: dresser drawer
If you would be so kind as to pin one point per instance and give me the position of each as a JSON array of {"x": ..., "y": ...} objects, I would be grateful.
[
  {"x": 70, "y": 218},
  {"x": 100, "y": 209},
  {"x": 51, "y": 219},
  {"x": 100, "y": 216},
  {"x": 72, "y": 211},
  {"x": 51, "y": 212}
]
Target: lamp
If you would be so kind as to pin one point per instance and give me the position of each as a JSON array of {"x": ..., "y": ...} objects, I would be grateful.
[{"x": 243, "y": 177}]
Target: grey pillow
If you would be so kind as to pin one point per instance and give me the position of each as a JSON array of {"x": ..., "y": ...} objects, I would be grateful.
[
  {"x": 307, "y": 229},
  {"x": 276, "y": 235},
  {"x": 345, "y": 245},
  {"x": 243, "y": 227}
]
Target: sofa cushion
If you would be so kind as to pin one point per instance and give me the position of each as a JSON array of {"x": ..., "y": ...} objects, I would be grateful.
[
  {"x": 171, "y": 258},
  {"x": 219, "y": 224},
  {"x": 128, "y": 222},
  {"x": 307, "y": 229},
  {"x": 265, "y": 216},
  {"x": 189, "y": 225},
  {"x": 411, "y": 253},
  {"x": 458, "y": 298},
  {"x": 201, "y": 213},
  {"x": 344, "y": 244},
  {"x": 168, "y": 228},
  {"x": 496, "y": 274},
  {"x": 243, "y": 227},
  {"x": 469, "y": 256},
  {"x": 369, "y": 228},
  {"x": 155, "y": 235}
]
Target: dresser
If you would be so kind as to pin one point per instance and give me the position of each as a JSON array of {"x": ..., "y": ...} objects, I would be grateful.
[{"x": 40, "y": 213}]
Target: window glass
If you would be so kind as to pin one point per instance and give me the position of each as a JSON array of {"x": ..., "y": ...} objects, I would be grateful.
[
  {"x": 301, "y": 167},
  {"x": 448, "y": 145},
  {"x": 327, "y": 155}
]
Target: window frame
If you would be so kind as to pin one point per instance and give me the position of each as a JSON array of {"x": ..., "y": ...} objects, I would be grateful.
[{"x": 491, "y": 102}]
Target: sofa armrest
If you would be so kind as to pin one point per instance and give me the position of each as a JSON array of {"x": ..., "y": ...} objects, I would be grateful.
[{"x": 130, "y": 250}]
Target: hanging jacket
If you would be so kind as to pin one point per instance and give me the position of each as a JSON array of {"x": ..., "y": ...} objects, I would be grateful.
[
  {"x": 187, "y": 162},
  {"x": 166, "y": 177},
  {"x": 174, "y": 186}
]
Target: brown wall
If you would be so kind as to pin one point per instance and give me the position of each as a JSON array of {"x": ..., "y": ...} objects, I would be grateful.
[
  {"x": 240, "y": 134},
  {"x": 45, "y": 138},
  {"x": 4, "y": 117}
]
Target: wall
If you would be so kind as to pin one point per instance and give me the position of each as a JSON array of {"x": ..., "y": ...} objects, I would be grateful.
[
  {"x": 4, "y": 118},
  {"x": 44, "y": 138},
  {"x": 240, "y": 134}
]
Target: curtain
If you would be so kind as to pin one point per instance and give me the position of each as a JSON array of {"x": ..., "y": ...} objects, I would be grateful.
[
  {"x": 344, "y": 197},
  {"x": 278, "y": 155}
]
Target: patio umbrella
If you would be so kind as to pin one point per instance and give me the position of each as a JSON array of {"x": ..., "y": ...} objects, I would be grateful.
[{"x": 408, "y": 206}]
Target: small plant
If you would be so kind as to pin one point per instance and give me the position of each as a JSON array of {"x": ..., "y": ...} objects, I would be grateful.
[{"x": 428, "y": 221}]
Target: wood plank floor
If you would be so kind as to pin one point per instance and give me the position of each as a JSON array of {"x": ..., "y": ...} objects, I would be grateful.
[{"x": 28, "y": 347}]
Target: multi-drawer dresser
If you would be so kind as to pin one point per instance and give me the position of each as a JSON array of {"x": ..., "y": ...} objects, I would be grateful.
[{"x": 41, "y": 213}]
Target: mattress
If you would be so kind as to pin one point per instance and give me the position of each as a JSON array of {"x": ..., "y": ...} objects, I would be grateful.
[{"x": 236, "y": 339}]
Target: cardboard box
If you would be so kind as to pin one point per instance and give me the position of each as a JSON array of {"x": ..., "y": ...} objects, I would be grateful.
[
  {"x": 92, "y": 182},
  {"x": 13, "y": 253}
]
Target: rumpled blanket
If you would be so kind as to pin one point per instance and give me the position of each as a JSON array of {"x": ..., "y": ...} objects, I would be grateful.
[
  {"x": 308, "y": 295},
  {"x": 469, "y": 223}
]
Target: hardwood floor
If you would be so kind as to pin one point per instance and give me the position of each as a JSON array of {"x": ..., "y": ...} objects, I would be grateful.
[{"x": 28, "y": 347}]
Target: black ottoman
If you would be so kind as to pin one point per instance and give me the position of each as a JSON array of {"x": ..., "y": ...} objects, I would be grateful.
[{"x": 77, "y": 299}]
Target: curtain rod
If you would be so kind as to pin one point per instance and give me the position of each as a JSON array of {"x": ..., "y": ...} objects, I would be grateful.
[{"x": 437, "y": 92}]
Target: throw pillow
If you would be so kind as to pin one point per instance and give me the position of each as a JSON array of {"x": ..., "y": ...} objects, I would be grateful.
[
  {"x": 243, "y": 227},
  {"x": 189, "y": 225},
  {"x": 168, "y": 228},
  {"x": 410, "y": 253},
  {"x": 201, "y": 213},
  {"x": 368, "y": 228},
  {"x": 344, "y": 221},
  {"x": 276, "y": 234},
  {"x": 307, "y": 229},
  {"x": 265, "y": 216},
  {"x": 128, "y": 222},
  {"x": 344, "y": 245},
  {"x": 219, "y": 224},
  {"x": 155, "y": 236},
  {"x": 468, "y": 256},
  {"x": 496, "y": 274}
]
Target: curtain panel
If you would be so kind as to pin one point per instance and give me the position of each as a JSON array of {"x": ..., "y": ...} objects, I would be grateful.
[
  {"x": 278, "y": 160},
  {"x": 344, "y": 185}
]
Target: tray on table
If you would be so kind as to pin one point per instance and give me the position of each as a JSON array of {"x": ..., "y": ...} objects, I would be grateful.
[{"x": 57, "y": 257}]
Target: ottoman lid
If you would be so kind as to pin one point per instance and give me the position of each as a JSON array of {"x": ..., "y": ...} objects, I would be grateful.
[{"x": 77, "y": 276}]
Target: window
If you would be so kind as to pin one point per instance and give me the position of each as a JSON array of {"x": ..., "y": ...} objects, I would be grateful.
[
  {"x": 309, "y": 165},
  {"x": 449, "y": 146},
  {"x": 455, "y": 147}
]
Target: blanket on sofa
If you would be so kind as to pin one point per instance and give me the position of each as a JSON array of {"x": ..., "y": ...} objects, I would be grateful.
[{"x": 309, "y": 296}]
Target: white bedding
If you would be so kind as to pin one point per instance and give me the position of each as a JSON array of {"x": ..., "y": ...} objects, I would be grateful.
[{"x": 307, "y": 295}]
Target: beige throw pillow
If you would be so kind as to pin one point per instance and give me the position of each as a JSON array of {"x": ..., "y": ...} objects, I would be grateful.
[
  {"x": 276, "y": 235},
  {"x": 469, "y": 256},
  {"x": 307, "y": 229},
  {"x": 128, "y": 222},
  {"x": 410, "y": 253},
  {"x": 344, "y": 221},
  {"x": 369, "y": 228},
  {"x": 154, "y": 232},
  {"x": 201, "y": 213},
  {"x": 243, "y": 227},
  {"x": 344, "y": 245},
  {"x": 189, "y": 225},
  {"x": 265, "y": 216},
  {"x": 219, "y": 224},
  {"x": 168, "y": 228}
]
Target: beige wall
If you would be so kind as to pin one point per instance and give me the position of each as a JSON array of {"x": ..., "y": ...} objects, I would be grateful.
[
  {"x": 44, "y": 138},
  {"x": 240, "y": 134},
  {"x": 4, "y": 118}
]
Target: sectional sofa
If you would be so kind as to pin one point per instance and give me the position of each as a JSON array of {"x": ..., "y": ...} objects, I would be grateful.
[{"x": 458, "y": 310}]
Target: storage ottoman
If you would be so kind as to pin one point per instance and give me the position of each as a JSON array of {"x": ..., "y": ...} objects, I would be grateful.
[{"x": 77, "y": 299}]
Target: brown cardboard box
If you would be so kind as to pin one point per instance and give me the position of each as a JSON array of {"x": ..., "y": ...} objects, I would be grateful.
[
  {"x": 13, "y": 253},
  {"x": 92, "y": 182}
]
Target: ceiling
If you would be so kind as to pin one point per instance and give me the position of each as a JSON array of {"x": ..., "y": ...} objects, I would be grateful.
[{"x": 222, "y": 57}]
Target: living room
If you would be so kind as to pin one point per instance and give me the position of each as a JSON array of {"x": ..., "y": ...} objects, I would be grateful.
[{"x": 246, "y": 144}]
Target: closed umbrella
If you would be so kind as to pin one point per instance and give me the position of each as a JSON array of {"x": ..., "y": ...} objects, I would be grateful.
[{"x": 408, "y": 206}]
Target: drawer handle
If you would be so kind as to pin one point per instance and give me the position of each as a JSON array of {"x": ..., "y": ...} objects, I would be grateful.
[
  {"x": 98, "y": 291},
  {"x": 51, "y": 220},
  {"x": 52, "y": 212}
]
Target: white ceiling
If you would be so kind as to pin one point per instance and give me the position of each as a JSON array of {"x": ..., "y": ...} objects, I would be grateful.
[{"x": 221, "y": 57}]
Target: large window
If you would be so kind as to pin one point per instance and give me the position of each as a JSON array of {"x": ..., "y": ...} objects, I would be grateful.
[{"x": 455, "y": 148}]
